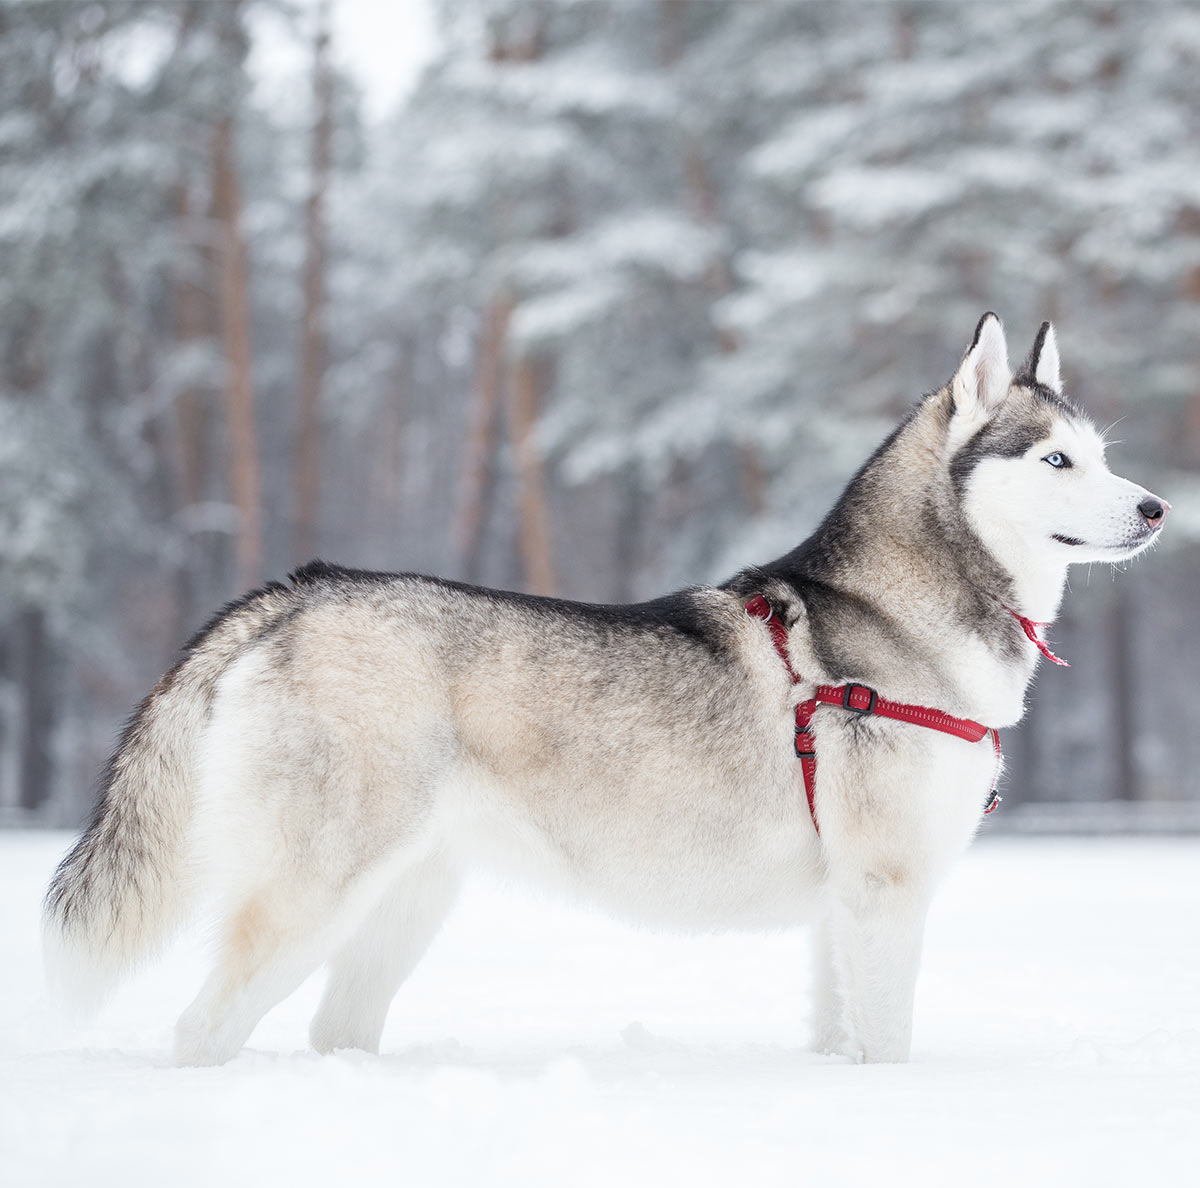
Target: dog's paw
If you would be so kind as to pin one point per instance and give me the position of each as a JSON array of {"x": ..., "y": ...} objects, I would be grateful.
[
  {"x": 202, "y": 1043},
  {"x": 831, "y": 1041}
]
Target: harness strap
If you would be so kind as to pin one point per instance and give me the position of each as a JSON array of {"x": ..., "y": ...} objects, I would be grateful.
[{"x": 861, "y": 699}]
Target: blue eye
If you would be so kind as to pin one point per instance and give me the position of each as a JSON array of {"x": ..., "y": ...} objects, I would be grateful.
[{"x": 1058, "y": 461}]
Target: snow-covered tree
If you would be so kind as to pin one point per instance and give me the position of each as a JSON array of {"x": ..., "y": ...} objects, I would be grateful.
[
  {"x": 615, "y": 302},
  {"x": 109, "y": 342}
]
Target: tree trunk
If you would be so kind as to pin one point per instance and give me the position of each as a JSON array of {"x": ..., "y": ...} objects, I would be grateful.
[
  {"x": 670, "y": 31},
  {"x": 530, "y": 382},
  {"x": 479, "y": 460},
  {"x": 195, "y": 323},
  {"x": 631, "y": 526},
  {"x": 33, "y": 679},
  {"x": 195, "y": 316},
  {"x": 753, "y": 479},
  {"x": 1123, "y": 696},
  {"x": 312, "y": 349},
  {"x": 705, "y": 208},
  {"x": 239, "y": 392},
  {"x": 23, "y": 651}
]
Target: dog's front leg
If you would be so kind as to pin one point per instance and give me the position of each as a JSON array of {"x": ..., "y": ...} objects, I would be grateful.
[
  {"x": 829, "y": 1034},
  {"x": 877, "y": 923}
]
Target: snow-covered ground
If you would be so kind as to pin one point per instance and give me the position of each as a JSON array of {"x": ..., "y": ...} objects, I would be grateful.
[{"x": 1057, "y": 1043}]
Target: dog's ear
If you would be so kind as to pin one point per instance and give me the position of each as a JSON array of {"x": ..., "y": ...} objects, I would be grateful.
[
  {"x": 982, "y": 380},
  {"x": 1042, "y": 364}
]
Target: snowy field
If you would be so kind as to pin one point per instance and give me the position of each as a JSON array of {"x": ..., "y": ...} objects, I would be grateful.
[{"x": 1057, "y": 1043}]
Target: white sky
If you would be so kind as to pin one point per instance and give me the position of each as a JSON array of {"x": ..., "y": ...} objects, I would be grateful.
[{"x": 382, "y": 43}]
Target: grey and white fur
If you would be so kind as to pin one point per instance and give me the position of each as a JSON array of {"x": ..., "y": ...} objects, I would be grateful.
[{"x": 331, "y": 755}]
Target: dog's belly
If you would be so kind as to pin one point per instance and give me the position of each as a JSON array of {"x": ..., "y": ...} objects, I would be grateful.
[{"x": 690, "y": 856}]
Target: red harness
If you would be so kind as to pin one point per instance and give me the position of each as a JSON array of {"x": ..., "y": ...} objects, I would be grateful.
[{"x": 861, "y": 699}]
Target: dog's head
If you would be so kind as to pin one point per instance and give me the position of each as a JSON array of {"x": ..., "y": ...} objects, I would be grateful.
[{"x": 1028, "y": 466}]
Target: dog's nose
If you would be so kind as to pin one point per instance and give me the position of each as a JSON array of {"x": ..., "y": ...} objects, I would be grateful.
[{"x": 1155, "y": 510}]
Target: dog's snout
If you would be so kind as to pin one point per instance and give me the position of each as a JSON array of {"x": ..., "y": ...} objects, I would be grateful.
[{"x": 1154, "y": 510}]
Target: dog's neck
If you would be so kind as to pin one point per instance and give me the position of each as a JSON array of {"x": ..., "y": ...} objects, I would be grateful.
[
  {"x": 919, "y": 569},
  {"x": 940, "y": 540},
  {"x": 1037, "y": 580}
]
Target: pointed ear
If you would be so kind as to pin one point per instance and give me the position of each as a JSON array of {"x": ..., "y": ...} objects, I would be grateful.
[
  {"x": 982, "y": 380},
  {"x": 1042, "y": 363}
]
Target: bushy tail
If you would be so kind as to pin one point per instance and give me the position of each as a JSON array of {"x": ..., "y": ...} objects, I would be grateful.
[{"x": 124, "y": 888}]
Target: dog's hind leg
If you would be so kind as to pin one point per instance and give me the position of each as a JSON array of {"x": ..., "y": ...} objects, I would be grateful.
[
  {"x": 370, "y": 967},
  {"x": 274, "y": 938}
]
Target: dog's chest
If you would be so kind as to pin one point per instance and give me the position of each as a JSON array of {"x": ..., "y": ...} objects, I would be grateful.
[
  {"x": 894, "y": 780},
  {"x": 993, "y": 687}
]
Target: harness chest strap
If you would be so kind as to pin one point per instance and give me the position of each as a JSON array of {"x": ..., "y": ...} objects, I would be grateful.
[{"x": 861, "y": 699}]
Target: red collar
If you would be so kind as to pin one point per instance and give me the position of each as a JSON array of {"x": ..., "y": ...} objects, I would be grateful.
[{"x": 861, "y": 699}]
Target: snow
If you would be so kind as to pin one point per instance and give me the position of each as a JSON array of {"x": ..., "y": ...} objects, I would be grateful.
[
  {"x": 585, "y": 269},
  {"x": 868, "y": 198},
  {"x": 806, "y": 143},
  {"x": 557, "y": 315},
  {"x": 583, "y": 83},
  {"x": 383, "y": 46},
  {"x": 1057, "y": 1042}
]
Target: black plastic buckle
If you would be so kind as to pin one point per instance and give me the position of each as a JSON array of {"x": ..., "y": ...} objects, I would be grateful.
[
  {"x": 854, "y": 709},
  {"x": 809, "y": 754}
]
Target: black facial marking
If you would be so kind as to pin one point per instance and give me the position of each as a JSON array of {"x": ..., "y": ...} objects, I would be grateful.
[
  {"x": 994, "y": 440},
  {"x": 979, "y": 329},
  {"x": 1025, "y": 379},
  {"x": 1035, "y": 355},
  {"x": 1047, "y": 396},
  {"x": 1027, "y": 373},
  {"x": 1067, "y": 540}
]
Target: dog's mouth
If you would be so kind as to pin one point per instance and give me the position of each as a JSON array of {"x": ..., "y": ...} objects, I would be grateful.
[{"x": 1133, "y": 544}]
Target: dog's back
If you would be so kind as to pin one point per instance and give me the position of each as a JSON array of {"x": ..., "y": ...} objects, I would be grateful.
[{"x": 354, "y": 740}]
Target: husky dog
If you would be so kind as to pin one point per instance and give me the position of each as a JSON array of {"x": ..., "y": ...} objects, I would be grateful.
[{"x": 331, "y": 755}]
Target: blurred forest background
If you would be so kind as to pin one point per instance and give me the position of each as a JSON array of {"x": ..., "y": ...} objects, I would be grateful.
[{"x": 612, "y": 302}]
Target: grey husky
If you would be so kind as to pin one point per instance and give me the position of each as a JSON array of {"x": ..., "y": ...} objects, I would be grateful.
[{"x": 331, "y": 755}]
